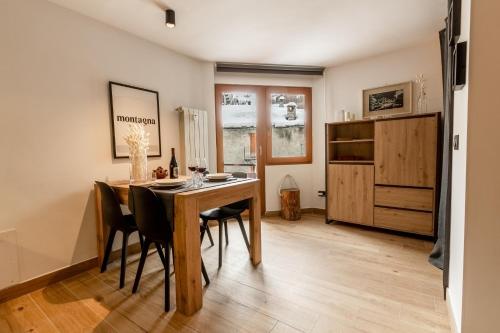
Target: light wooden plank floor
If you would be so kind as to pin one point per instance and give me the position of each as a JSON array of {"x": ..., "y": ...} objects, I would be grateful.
[{"x": 314, "y": 278}]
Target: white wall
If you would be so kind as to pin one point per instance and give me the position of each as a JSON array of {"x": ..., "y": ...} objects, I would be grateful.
[
  {"x": 481, "y": 270},
  {"x": 307, "y": 176},
  {"x": 458, "y": 188},
  {"x": 208, "y": 100},
  {"x": 341, "y": 88},
  {"x": 55, "y": 139},
  {"x": 344, "y": 84},
  {"x": 54, "y": 69}
]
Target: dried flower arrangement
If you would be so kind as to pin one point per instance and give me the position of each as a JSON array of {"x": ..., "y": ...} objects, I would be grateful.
[
  {"x": 138, "y": 143},
  {"x": 422, "y": 95}
]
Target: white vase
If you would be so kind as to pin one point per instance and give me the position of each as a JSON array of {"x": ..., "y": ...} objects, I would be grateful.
[
  {"x": 422, "y": 103},
  {"x": 138, "y": 167}
]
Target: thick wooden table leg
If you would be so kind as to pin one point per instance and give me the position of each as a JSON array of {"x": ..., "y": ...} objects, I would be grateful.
[
  {"x": 255, "y": 232},
  {"x": 189, "y": 298},
  {"x": 101, "y": 230}
]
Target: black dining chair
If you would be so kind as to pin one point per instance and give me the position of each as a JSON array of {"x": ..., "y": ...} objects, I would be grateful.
[
  {"x": 152, "y": 223},
  {"x": 222, "y": 215},
  {"x": 118, "y": 218}
]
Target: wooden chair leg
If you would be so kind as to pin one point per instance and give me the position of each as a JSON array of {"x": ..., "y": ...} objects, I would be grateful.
[
  {"x": 243, "y": 232},
  {"x": 221, "y": 225},
  {"x": 204, "y": 272},
  {"x": 167, "y": 278},
  {"x": 173, "y": 255},
  {"x": 202, "y": 234},
  {"x": 107, "y": 252},
  {"x": 209, "y": 234},
  {"x": 206, "y": 229},
  {"x": 141, "y": 240},
  {"x": 225, "y": 229},
  {"x": 144, "y": 254},
  {"x": 123, "y": 266},
  {"x": 160, "y": 253}
]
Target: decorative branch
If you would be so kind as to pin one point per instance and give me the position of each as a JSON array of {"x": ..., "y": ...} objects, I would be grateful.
[
  {"x": 137, "y": 139},
  {"x": 138, "y": 145}
]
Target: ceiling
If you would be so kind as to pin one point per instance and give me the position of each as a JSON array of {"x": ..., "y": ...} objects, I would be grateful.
[{"x": 293, "y": 32}]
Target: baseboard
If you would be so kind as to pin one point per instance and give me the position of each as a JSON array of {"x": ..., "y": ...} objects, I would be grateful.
[
  {"x": 272, "y": 213},
  {"x": 131, "y": 249},
  {"x": 451, "y": 314},
  {"x": 26, "y": 287},
  {"x": 42, "y": 281},
  {"x": 276, "y": 213},
  {"x": 315, "y": 211}
]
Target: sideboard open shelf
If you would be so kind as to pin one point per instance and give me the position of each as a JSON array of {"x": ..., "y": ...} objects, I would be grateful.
[{"x": 351, "y": 142}]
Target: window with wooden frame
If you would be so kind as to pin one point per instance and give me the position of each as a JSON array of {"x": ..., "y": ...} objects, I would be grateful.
[
  {"x": 289, "y": 119},
  {"x": 262, "y": 125}
]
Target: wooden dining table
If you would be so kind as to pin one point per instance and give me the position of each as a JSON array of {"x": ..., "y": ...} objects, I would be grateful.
[{"x": 187, "y": 249}]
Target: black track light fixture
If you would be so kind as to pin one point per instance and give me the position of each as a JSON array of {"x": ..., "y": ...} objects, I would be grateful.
[{"x": 170, "y": 18}]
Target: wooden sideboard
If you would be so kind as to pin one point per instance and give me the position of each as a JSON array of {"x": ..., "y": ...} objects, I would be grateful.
[{"x": 383, "y": 172}]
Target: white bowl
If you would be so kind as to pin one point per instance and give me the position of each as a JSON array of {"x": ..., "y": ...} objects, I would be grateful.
[{"x": 169, "y": 182}]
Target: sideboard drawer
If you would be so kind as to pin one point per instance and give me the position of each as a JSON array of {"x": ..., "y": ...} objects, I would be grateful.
[
  {"x": 404, "y": 220},
  {"x": 404, "y": 197}
]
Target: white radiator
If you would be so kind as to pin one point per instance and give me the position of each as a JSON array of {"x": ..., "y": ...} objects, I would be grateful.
[{"x": 194, "y": 136}]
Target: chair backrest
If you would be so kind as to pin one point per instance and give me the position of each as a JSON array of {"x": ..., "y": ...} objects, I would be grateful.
[
  {"x": 111, "y": 211},
  {"x": 150, "y": 214},
  {"x": 243, "y": 204}
]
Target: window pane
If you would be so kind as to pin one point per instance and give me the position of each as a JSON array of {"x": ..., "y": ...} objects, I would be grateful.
[
  {"x": 239, "y": 122},
  {"x": 288, "y": 125}
]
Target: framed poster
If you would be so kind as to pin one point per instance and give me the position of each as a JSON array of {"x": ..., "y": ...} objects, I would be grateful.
[
  {"x": 388, "y": 100},
  {"x": 134, "y": 105}
]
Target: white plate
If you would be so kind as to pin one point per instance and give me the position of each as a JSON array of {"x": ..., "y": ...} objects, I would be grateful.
[
  {"x": 218, "y": 175},
  {"x": 169, "y": 182}
]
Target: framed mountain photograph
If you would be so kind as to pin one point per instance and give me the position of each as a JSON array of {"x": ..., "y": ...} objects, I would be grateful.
[{"x": 388, "y": 100}]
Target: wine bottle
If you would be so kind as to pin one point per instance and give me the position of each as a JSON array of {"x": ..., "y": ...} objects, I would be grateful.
[{"x": 173, "y": 170}]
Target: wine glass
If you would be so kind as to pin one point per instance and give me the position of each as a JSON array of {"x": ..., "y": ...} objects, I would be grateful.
[
  {"x": 193, "y": 166},
  {"x": 202, "y": 167}
]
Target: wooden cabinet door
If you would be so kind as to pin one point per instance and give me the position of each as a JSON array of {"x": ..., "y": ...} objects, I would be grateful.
[
  {"x": 350, "y": 193},
  {"x": 405, "y": 151}
]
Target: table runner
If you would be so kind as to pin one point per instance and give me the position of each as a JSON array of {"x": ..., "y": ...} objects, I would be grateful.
[{"x": 167, "y": 195}]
